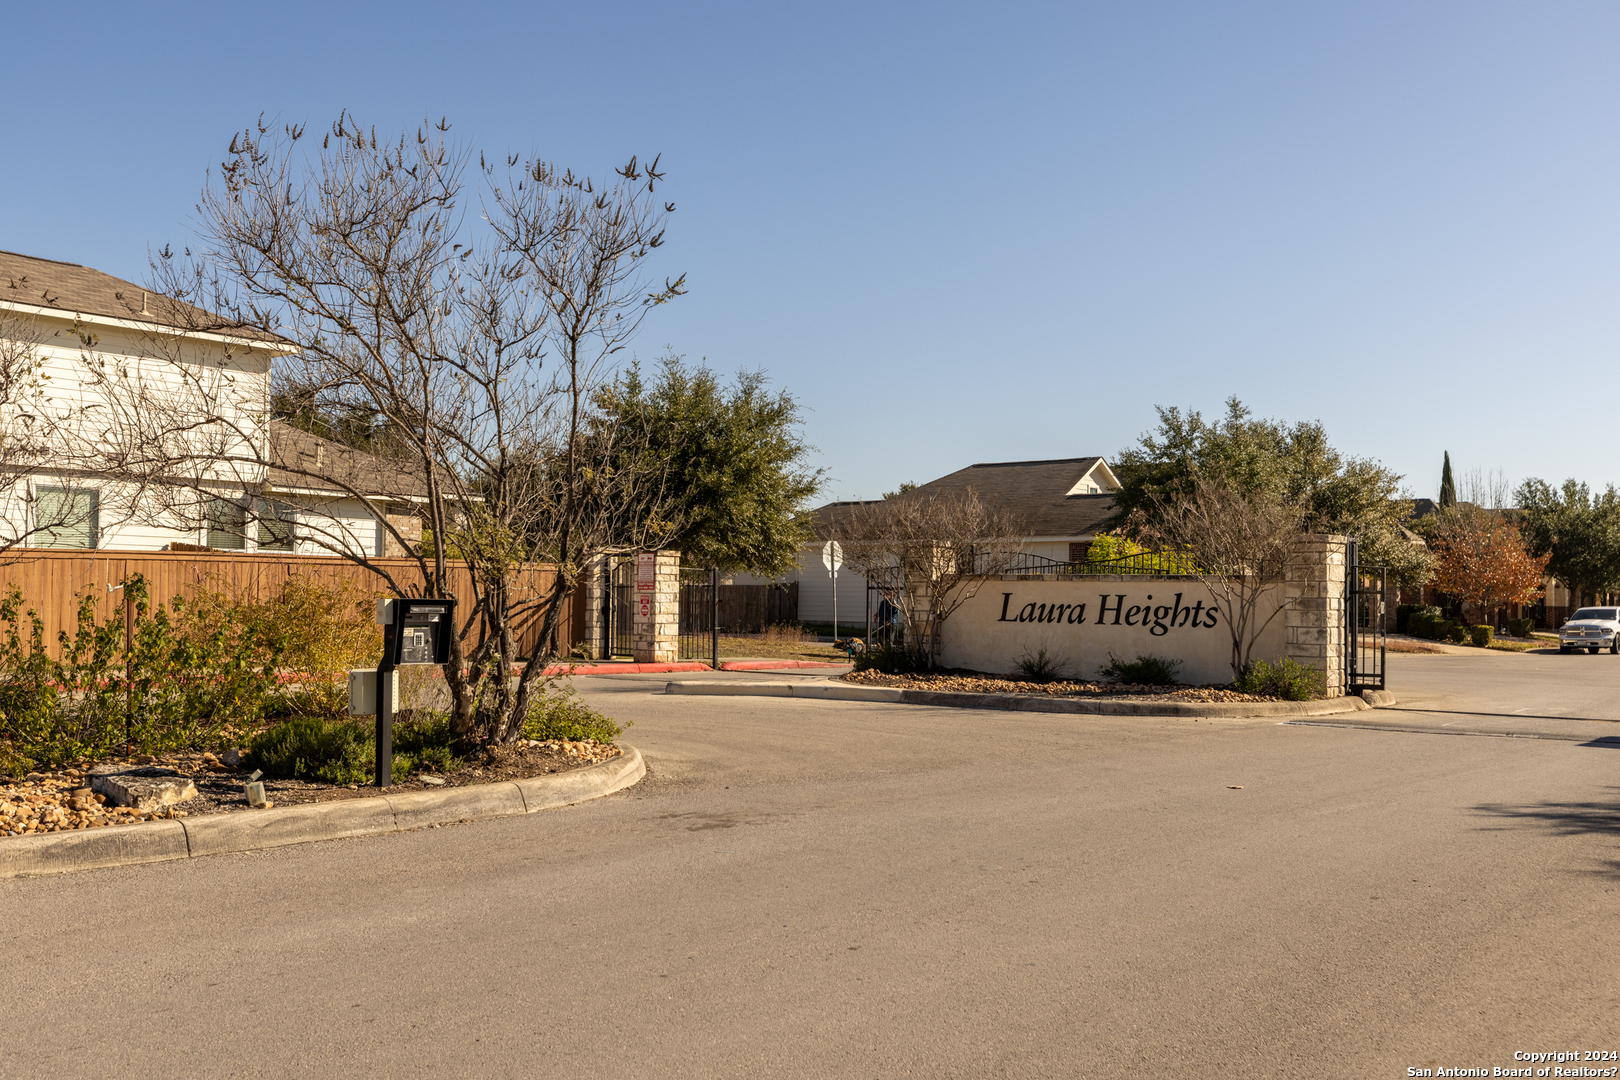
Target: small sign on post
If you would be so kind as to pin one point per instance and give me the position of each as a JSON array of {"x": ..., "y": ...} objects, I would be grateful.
[
  {"x": 832, "y": 557},
  {"x": 647, "y": 571}
]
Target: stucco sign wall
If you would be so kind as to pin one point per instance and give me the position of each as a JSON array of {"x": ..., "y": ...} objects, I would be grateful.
[{"x": 1081, "y": 623}]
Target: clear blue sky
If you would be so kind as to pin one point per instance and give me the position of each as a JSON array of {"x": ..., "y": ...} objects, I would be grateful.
[{"x": 982, "y": 233}]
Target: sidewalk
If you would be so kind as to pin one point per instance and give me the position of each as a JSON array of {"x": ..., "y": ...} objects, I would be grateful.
[{"x": 733, "y": 663}]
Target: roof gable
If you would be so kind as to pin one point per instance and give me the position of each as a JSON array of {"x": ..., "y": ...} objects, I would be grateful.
[{"x": 1051, "y": 496}]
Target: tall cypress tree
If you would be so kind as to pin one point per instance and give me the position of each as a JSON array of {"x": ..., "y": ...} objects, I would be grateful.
[{"x": 1448, "y": 489}]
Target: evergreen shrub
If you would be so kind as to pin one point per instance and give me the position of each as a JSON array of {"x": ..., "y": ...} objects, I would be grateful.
[{"x": 1287, "y": 679}]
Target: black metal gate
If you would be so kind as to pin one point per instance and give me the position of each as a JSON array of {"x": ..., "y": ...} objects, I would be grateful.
[
  {"x": 884, "y": 623},
  {"x": 699, "y": 629},
  {"x": 1364, "y": 624},
  {"x": 618, "y": 613}
]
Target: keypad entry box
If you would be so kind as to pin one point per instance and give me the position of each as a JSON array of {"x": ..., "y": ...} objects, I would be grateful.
[{"x": 416, "y": 631}]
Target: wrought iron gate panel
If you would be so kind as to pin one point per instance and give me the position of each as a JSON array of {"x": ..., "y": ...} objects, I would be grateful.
[
  {"x": 699, "y": 621},
  {"x": 619, "y": 624},
  {"x": 1364, "y": 617},
  {"x": 885, "y": 627}
]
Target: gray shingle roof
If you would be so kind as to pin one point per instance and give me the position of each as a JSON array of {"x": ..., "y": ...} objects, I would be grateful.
[
  {"x": 79, "y": 290},
  {"x": 1037, "y": 491},
  {"x": 295, "y": 449}
]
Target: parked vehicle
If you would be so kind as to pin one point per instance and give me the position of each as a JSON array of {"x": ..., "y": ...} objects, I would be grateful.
[{"x": 1591, "y": 628}]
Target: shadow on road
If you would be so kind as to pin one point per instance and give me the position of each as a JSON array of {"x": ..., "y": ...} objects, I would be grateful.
[
  {"x": 1508, "y": 715},
  {"x": 1567, "y": 819}
]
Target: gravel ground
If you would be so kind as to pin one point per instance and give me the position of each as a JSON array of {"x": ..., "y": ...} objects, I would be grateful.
[
  {"x": 61, "y": 800},
  {"x": 967, "y": 682}
]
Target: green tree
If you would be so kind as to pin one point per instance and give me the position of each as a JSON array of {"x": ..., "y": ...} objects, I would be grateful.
[
  {"x": 1448, "y": 488},
  {"x": 731, "y": 459},
  {"x": 1286, "y": 464},
  {"x": 1581, "y": 532}
]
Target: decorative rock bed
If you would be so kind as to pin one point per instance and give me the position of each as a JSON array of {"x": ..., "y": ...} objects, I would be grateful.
[
  {"x": 179, "y": 785},
  {"x": 961, "y": 682}
]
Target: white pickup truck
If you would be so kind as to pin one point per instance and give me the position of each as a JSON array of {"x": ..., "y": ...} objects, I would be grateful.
[{"x": 1591, "y": 628}]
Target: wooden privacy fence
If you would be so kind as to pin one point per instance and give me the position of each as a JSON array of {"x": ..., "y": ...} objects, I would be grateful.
[
  {"x": 749, "y": 609},
  {"x": 51, "y": 582}
]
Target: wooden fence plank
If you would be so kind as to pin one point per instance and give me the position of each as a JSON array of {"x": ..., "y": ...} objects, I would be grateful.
[{"x": 51, "y": 582}]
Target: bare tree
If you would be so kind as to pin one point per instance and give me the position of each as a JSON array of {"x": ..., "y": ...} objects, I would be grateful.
[
  {"x": 474, "y": 348},
  {"x": 929, "y": 554},
  {"x": 1237, "y": 542}
]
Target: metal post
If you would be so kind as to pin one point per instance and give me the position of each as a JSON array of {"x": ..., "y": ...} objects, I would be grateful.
[
  {"x": 385, "y": 726},
  {"x": 714, "y": 621},
  {"x": 833, "y": 570},
  {"x": 385, "y": 701},
  {"x": 607, "y": 607}
]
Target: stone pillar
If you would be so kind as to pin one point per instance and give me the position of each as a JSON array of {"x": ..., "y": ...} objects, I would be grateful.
[
  {"x": 656, "y": 611},
  {"x": 595, "y": 598},
  {"x": 1315, "y": 597}
]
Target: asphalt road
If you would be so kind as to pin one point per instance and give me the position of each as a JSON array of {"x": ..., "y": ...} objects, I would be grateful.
[{"x": 814, "y": 889}]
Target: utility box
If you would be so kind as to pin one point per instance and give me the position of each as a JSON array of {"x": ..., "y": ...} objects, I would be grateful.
[
  {"x": 363, "y": 691},
  {"x": 416, "y": 631}
]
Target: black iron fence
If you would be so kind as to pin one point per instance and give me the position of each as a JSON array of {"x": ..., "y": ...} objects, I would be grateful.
[
  {"x": 1025, "y": 564},
  {"x": 699, "y": 620}
]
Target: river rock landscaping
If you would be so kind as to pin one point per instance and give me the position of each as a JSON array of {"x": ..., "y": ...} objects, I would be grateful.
[
  {"x": 960, "y": 682},
  {"x": 64, "y": 799}
]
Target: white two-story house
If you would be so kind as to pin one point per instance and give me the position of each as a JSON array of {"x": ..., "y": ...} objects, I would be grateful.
[{"x": 125, "y": 427}]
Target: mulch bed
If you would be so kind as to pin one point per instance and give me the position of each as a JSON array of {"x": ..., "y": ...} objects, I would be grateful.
[
  {"x": 967, "y": 682},
  {"x": 44, "y": 802}
]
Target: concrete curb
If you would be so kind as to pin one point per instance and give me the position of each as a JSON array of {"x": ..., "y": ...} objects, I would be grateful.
[
  {"x": 828, "y": 691},
  {"x": 218, "y": 834},
  {"x": 586, "y": 667},
  {"x": 778, "y": 665}
]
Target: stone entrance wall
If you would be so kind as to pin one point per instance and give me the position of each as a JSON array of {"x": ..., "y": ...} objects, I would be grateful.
[{"x": 1083, "y": 622}]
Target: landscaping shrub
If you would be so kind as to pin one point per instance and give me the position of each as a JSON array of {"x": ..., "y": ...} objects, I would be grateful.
[
  {"x": 1042, "y": 667},
  {"x": 1456, "y": 632},
  {"x": 1404, "y": 613},
  {"x": 1481, "y": 634},
  {"x": 1108, "y": 548},
  {"x": 1520, "y": 627},
  {"x": 562, "y": 714},
  {"x": 182, "y": 681},
  {"x": 345, "y": 751},
  {"x": 889, "y": 657},
  {"x": 1146, "y": 670},
  {"x": 1424, "y": 621},
  {"x": 195, "y": 668},
  {"x": 1287, "y": 679},
  {"x": 321, "y": 629}
]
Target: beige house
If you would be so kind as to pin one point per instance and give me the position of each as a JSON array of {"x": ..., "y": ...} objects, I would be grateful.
[
  {"x": 1064, "y": 502},
  {"x": 100, "y": 379}
]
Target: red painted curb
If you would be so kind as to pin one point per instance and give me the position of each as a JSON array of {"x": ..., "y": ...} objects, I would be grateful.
[
  {"x": 623, "y": 669},
  {"x": 773, "y": 665}
]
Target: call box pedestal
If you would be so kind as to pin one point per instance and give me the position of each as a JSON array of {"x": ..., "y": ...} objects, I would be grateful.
[{"x": 415, "y": 631}]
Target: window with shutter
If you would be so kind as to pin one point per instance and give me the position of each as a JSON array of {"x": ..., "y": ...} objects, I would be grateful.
[
  {"x": 66, "y": 517},
  {"x": 275, "y": 526},
  {"x": 227, "y": 522}
]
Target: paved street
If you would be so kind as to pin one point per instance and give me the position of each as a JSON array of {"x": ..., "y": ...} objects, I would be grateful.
[{"x": 813, "y": 889}]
